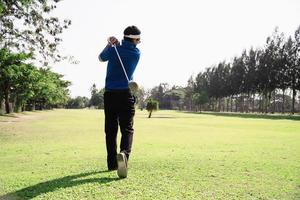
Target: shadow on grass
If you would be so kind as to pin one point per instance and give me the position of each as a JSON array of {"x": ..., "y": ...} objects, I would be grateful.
[
  {"x": 9, "y": 115},
  {"x": 252, "y": 115},
  {"x": 52, "y": 185},
  {"x": 162, "y": 117},
  {"x": 18, "y": 114}
]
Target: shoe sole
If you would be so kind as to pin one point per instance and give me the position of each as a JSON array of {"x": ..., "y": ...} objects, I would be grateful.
[{"x": 122, "y": 168}]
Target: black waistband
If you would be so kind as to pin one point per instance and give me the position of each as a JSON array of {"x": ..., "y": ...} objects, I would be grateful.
[{"x": 117, "y": 90}]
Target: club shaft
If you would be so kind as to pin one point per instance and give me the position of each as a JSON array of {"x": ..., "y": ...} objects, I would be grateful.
[{"x": 121, "y": 62}]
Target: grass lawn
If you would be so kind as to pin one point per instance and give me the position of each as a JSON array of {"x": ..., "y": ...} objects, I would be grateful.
[{"x": 61, "y": 154}]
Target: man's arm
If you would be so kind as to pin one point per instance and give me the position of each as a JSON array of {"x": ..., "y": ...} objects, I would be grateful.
[{"x": 104, "y": 55}]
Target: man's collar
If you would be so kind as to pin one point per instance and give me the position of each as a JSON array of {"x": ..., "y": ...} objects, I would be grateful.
[{"x": 128, "y": 44}]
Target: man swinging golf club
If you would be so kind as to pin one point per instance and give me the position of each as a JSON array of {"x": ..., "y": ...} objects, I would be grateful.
[{"x": 118, "y": 97}]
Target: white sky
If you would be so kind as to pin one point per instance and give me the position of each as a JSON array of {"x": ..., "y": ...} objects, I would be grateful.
[{"x": 180, "y": 38}]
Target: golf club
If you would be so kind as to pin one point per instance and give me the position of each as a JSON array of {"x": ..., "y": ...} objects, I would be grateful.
[{"x": 133, "y": 86}]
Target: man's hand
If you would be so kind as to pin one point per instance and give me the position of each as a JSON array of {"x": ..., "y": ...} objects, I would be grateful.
[{"x": 112, "y": 40}]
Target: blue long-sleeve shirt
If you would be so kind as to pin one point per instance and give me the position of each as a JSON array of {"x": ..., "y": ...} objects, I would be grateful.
[{"x": 115, "y": 77}]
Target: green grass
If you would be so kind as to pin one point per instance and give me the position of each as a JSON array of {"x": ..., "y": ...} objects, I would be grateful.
[{"x": 61, "y": 154}]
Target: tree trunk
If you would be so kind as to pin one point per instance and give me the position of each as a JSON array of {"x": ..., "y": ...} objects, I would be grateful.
[
  {"x": 242, "y": 104},
  {"x": 253, "y": 103},
  {"x": 293, "y": 100},
  {"x": 236, "y": 105},
  {"x": 227, "y": 104},
  {"x": 266, "y": 100},
  {"x": 231, "y": 103},
  {"x": 150, "y": 113},
  {"x": 274, "y": 102},
  {"x": 248, "y": 102},
  {"x": 269, "y": 101},
  {"x": 33, "y": 106},
  {"x": 16, "y": 105},
  {"x": 1, "y": 107},
  {"x": 283, "y": 101},
  {"x": 261, "y": 103},
  {"x": 6, "y": 100}
]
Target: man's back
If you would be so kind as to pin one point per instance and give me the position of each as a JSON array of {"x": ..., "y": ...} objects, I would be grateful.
[{"x": 115, "y": 77}]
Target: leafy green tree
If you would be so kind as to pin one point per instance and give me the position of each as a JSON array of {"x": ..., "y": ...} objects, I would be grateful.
[
  {"x": 296, "y": 68},
  {"x": 218, "y": 83},
  {"x": 174, "y": 98},
  {"x": 141, "y": 97},
  {"x": 158, "y": 93},
  {"x": 256, "y": 73},
  {"x": 189, "y": 91},
  {"x": 28, "y": 25},
  {"x": 11, "y": 66},
  {"x": 237, "y": 77},
  {"x": 288, "y": 73},
  {"x": 200, "y": 99},
  {"x": 251, "y": 81},
  {"x": 78, "y": 102},
  {"x": 270, "y": 67},
  {"x": 50, "y": 90},
  {"x": 23, "y": 81},
  {"x": 97, "y": 97},
  {"x": 152, "y": 105}
]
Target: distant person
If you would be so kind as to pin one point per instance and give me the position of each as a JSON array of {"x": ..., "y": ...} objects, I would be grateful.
[{"x": 118, "y": 100}]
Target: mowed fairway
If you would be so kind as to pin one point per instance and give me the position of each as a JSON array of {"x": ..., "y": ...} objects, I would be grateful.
[{"x": 61, "y": 154}]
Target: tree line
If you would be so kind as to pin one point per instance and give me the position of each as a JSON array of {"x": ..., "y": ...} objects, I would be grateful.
[
  {"x": 95, "y": 101},
  {"x": 26, "y": 87},
  {"x": 259, "y": 80},
  {"x": 265, "y": 80},
  {"x": 28, "y": 32}
]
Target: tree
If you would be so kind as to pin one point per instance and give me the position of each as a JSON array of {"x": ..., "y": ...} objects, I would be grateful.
[
  {"x": 288, "y": 73},
  {"x": 270, "y": 67},
  {"x": 200, "y": 99},
  {"x": 176, "y": 97},
  {"x": 27, "y": 25},
  {"x": 22, "y": 83},
  {"x": 141, "y": 97},
  {"x": 152, "y": 105},
  {"x": 11, "y": 65},
  {"x": 97, "y": 97},
  {"x": 296, "y": 80},
  {"x": 189, "y": 90},
  {"x": 256, "y": 73},
  {"x": 202, "y": 83},
  {"x": 237, "y": 77},
  {"x": 78, "y": 102},
  {"x": 158, "y": 92},
  {"x": 50, "y": 90}
]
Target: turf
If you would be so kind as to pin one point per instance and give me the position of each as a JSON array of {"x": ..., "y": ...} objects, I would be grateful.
[{"x": 61, "y": 154}]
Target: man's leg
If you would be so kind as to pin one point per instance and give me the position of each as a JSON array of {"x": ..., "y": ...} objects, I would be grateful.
[
  {"x": 111, "y": 130},
  {"x": 126, "y": 116}
]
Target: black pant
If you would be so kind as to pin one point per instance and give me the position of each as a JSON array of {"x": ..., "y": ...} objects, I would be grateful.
[{"x": 119, "y": 110}]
